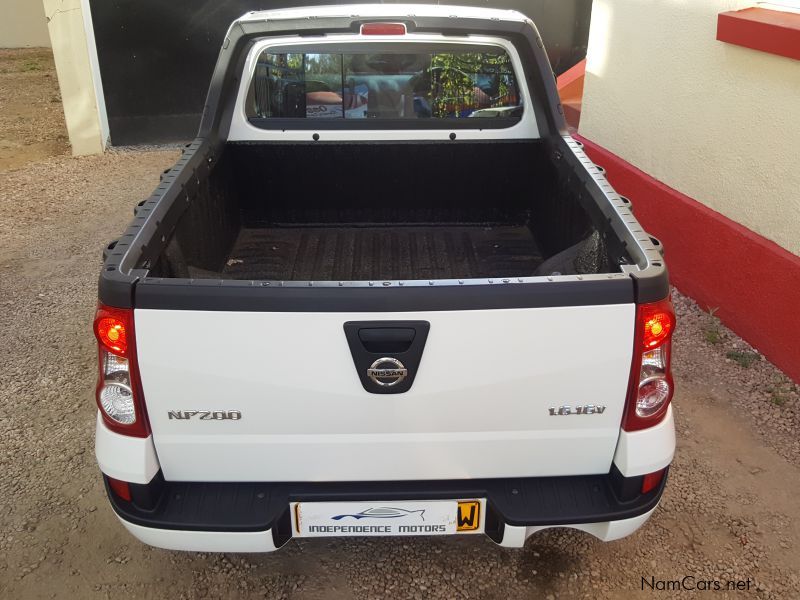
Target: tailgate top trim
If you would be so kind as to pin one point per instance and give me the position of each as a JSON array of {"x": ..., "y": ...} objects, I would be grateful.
[{"x": 257, "y": 296}]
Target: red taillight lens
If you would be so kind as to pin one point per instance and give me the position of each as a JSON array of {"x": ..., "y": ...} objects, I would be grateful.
[
  {"x": 651, "y": 387},
  {"x": 110, "y": 328},
  {"x": 120, "y": 488},
  {"x": 651, "y": 481},
  {"x": 657, "y": 324},
  {"x": 119, "y": 390},
  {"x": 383, "y": 29}
]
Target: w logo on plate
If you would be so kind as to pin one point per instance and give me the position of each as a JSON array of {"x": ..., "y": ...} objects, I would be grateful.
[{"x": 469, "y": 515}]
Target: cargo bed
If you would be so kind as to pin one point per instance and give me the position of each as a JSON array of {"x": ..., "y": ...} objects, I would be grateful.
[
  {"x": 381, "y": 253},
  {"x": 385, "y": 211}
]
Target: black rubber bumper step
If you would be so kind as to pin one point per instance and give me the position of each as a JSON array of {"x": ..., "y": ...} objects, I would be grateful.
[{"x": 239, "y": 507}]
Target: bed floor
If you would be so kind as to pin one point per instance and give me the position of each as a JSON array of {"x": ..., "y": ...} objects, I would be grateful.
[{"x": 349, "y": 253}]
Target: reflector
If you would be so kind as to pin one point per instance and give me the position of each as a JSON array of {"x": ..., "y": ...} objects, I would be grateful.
[
  {"x": 120, "y": 488},
  {"x": 651, "y": 481}
]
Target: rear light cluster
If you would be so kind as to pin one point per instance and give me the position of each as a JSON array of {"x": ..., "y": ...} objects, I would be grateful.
[
  {"x": 119, "y": 392},
  {"x": 651, "y": 386}
]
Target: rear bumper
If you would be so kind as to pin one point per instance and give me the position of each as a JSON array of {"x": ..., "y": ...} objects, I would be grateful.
[
  {"x": 255, "y": 517},
  {"x": 264, "y": 541}
]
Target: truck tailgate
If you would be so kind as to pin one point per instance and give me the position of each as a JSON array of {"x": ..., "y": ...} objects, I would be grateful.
[{"x": 479, "y": 406}]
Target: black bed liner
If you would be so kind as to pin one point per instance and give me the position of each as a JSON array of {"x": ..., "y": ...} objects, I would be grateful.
[{"x": 383, "y": 253}]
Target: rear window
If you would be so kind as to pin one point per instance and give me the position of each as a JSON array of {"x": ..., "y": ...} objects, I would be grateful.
[{"x": 393, "y": 82}]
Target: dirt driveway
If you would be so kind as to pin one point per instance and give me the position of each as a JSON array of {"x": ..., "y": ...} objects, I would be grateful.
[
  {"x": 31, "y": 120},
  {"x": 730, "y": 513}
]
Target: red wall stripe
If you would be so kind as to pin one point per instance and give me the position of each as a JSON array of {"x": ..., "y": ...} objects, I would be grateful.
[{"x": 718, "y": 262}]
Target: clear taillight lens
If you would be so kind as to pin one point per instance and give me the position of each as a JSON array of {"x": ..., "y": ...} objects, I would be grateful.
[
  {"x": 115, "y": 394},
  {"x": 654, "y": 386},
  {"x": 655, "y": 361},
  {"x": 653, "y": 393}
]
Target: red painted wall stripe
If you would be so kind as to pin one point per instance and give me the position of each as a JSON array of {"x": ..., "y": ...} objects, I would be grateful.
[
  {"x": 772, "y": 31},
  {"x": 718, "y": 262}
]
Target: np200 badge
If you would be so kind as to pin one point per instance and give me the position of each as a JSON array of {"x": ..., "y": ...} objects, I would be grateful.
[
  {"x": 586, "y": 409},
  {"x": 205, "y": 415}
]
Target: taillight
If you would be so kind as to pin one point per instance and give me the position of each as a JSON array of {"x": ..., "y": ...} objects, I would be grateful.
[
  {"x": 650, "y": 389},
  {"x": 651, "y": 481},
  {"x": 120, "y": 488},
  {"x": 119, "y": 391},
  {"x": 383, "y": 29}
]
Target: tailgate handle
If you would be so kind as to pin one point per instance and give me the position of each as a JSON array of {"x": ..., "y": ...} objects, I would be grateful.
[
  {"x": 386, "y": 345},
  {"x": 386, "y": 340}
]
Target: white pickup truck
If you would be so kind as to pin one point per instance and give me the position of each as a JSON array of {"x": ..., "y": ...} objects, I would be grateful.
[{"x": 382, "y": 293}]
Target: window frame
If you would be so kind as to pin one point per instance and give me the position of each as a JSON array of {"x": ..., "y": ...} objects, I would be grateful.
[{"x": 245, "y": 128}]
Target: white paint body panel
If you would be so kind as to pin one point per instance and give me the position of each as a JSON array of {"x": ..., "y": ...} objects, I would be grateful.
[
  {"x": 648, "y": 450},
  {"x": 203, "y": 541},
  {"x": 124, "y": 457},
  {"x": 607, "y": 531},
  {"x": 134, "y": 459},
  {"x": 385, "y": 10},
  {"x": 478, "y": 407}
]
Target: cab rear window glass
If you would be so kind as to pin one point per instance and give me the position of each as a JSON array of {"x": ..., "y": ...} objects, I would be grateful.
[{"x": 439, "y": 83}]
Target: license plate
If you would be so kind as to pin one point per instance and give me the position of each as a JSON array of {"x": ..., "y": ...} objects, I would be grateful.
[{"x": 402, "y": 518}]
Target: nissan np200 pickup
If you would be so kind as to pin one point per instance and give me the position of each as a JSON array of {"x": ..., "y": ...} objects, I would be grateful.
[{"x": 382, "y": 293}]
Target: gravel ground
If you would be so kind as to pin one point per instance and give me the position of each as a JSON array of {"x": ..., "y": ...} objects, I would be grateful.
[
  {"x": 31, "y": 120},
  {"x": 730, "y": 511}
]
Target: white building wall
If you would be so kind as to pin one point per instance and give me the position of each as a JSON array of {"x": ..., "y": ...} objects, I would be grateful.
[
  {"x": 75, "y": 54},
  {"x": 23, "y": 24},
  {"x": 717, "y": 122}
]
